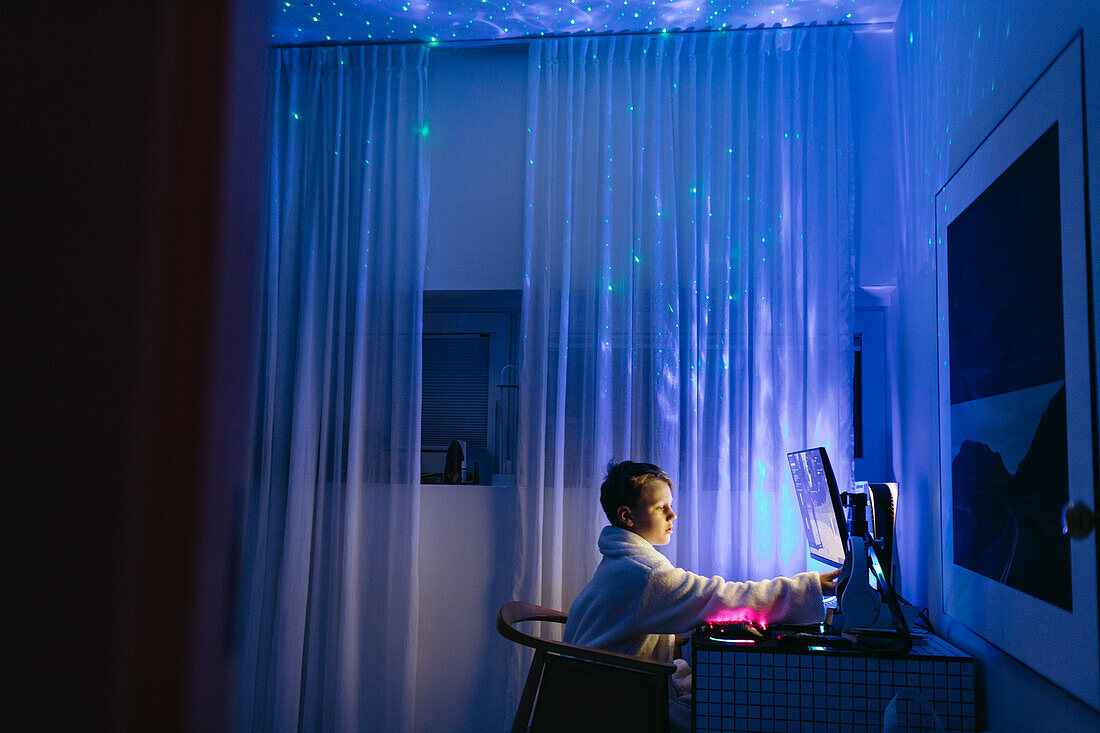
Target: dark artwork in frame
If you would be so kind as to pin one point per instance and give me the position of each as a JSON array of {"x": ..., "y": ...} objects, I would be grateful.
[
  {"x": 1015, "y": 349},
  {"x": 1008, "y": 359}
]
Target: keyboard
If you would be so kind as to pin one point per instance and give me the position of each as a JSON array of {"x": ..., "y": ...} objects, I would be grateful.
[
  {"x": 808, "y": 639},
  {"x": 735, "y": 630}
]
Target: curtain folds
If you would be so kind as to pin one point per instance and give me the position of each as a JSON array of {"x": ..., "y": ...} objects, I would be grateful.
[
  {"x": 331, "y": 530},
  {"x": 687, "y": 291}
]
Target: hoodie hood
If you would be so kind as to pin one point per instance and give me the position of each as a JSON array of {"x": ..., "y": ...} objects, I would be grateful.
[{"x": 619, "y": 542}]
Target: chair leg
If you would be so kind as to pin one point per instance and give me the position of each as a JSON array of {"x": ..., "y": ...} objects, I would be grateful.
[{"x": 530, "y": 689}]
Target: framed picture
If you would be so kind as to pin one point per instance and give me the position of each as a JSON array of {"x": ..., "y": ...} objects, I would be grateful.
[{"x": 1015, "y": 385}]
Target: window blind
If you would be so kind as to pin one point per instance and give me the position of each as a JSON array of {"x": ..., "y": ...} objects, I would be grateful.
[{"x": 455, "y": 390}]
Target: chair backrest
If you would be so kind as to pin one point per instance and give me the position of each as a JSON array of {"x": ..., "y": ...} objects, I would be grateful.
[{"x": 578, "y": 688}]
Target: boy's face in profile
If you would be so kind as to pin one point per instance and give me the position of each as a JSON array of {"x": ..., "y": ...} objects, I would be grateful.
[{"x": 652, "y": 518}]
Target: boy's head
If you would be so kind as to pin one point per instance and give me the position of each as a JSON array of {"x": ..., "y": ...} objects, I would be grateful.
[{"x": 638, "y": 497}]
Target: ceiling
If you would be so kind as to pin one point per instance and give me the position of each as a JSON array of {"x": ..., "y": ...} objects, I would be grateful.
[{"x": 343, "y": 21}]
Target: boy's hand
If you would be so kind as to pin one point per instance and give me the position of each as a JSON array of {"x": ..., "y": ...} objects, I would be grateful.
[{"x": 828, "y": 582}]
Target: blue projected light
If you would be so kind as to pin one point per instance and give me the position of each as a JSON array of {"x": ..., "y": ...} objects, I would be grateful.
[{"x": 434, "y": 21}]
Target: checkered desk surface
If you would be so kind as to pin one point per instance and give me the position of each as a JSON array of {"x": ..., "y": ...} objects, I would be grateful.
[{"x": 739, "y": 687}]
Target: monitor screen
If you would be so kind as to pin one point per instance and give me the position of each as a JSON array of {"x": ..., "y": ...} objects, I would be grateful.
[{"x": 819, "y": 500}]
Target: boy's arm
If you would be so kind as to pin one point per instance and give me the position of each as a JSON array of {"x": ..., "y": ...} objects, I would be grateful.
[{"x": 676, "y": 600}]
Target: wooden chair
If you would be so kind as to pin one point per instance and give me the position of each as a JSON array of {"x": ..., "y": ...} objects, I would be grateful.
[{"x": 577, "y": 688}]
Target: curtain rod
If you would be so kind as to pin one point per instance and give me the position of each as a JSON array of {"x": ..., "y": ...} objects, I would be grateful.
[{"x": 887, "y": 25}]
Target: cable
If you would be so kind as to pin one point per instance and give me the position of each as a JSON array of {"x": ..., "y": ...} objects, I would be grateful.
[{"x": 903, "y": 642}]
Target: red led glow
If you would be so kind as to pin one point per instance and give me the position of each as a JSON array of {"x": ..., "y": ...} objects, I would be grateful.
[{"x": 738, "y": 615}]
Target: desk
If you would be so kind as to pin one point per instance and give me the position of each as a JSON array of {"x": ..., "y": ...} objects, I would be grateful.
[{"x": 762, "y": 688}]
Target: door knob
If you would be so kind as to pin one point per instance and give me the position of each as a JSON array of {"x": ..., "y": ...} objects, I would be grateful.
[{"x": 1078, "y": 520}]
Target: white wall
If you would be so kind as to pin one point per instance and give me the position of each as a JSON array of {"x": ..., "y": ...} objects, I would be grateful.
[
  {"x": 466, "y": 545},
  {"x": 874, "y": 133},
  {"x": 477, "y": 113},
  {"x": 961, "y": 67},
  {"x": 877, "y": 233}
]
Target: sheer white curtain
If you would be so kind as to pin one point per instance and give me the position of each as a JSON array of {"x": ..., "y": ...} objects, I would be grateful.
[
  {"x": 329, "y": 600},
  {"x": 687, "y": 291}
]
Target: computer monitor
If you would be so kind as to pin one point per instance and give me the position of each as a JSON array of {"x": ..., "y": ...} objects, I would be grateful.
[{"x": 819, "y": 499}]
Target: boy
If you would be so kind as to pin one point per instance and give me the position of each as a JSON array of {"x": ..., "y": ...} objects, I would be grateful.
[{"x": 637, "y": 600}]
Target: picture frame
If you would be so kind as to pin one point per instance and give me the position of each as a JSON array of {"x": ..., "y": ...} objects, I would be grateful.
[{"x": 1016, "y": 404}]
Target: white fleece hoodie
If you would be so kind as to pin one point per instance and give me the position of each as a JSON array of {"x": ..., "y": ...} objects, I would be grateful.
[{"x": 638, "y": 600}]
